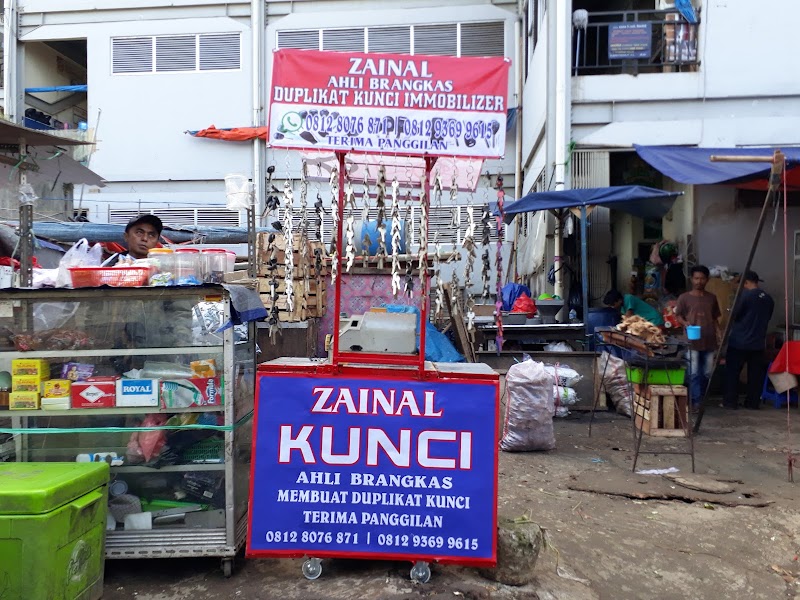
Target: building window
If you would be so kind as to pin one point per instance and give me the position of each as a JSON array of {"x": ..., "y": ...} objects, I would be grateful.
[
  {"x": 443, "y": 39},
  {"x": 176, "y": 53}
]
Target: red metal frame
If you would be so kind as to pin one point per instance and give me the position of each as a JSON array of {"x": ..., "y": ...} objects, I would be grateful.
[{"x": 340, "y": 358}]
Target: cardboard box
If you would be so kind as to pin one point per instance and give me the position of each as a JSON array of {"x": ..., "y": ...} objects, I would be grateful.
[
  {"x": 184, "y": 393},
  {"x": 38, "y": 367},
  {"x": 62, "y": 403},
  {"x": 137, "y": 392},
  {"x": 23, "y": 401},
  {"x": 95, "y": 392},
  {"x": 56, "y": 388},
  {"x": 26, "y": 383}
]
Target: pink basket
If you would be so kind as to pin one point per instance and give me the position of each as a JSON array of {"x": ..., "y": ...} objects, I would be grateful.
[{"x": 113, "y": 276}]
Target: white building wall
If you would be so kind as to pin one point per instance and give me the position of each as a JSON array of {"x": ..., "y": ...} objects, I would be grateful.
[
  {"x": 742, "y": 94},
  {"x": 141, "y": 120}
]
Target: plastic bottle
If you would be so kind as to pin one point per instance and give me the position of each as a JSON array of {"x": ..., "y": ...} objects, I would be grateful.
[{"x": 573, "y": 316}]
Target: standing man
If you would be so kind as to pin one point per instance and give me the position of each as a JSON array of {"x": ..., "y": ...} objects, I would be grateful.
[
  {"x": 142, "y": 234},
  {"x": 699, "y": 307},
  {"x": 746, "y": 344}
]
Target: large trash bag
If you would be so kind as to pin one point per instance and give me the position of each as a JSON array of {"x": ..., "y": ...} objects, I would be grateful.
[
  {"x": 512, "y": 291},
  {"x": 524, "y": 304},
  {"x": 529, "y": 410}
]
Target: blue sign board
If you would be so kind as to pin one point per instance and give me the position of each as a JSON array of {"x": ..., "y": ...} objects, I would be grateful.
[
  {"x": 629, "y": 40},
  {"x": 376, "y": 468}
]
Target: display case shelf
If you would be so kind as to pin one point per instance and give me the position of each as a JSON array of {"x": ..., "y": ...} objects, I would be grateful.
[
  {"x": 116, "y": 352},
  {"x": 170, "y": 468},
  {"x": 118, "y": 410}
]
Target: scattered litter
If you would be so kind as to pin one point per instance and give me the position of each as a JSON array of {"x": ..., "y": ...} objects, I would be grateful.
[
  {"x": 658, "y": 471},
  {"x": 458, "y": 593},
  {"x": 566, "y": 574},
  {"x": 598, "y": 460},
  {"x": 709, "y": 506}
]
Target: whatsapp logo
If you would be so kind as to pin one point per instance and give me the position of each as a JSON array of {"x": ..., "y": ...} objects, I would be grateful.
[{"x": 291, "y": 122}]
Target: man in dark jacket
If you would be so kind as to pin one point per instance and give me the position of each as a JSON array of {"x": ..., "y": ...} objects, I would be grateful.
[{"x": 746, "y": 344}]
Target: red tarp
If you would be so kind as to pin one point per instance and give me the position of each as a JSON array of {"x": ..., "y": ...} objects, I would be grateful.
[{"x": 234, "y": 134}]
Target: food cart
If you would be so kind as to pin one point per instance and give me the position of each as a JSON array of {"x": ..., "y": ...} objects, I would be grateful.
[{"x": 375, "y": 452}]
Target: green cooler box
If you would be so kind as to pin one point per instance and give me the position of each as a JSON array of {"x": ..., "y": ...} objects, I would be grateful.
[{"x": 52, "y": 530}]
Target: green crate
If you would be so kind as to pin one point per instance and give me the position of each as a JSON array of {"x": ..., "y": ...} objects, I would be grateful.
[
  {"x": 52, "y": 530},
  {"x": 656, "y": 376}
]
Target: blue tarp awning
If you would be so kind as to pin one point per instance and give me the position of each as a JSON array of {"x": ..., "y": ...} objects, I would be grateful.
[
  {"x": 693, "y": 165},
  {"x": 637, "y": 200}
]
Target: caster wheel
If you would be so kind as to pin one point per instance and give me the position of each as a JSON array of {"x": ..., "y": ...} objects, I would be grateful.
[
  {"x": 421, "y": 572},
  {"x": 227, "y": 567},
  {"x": 312, "y": 568}
]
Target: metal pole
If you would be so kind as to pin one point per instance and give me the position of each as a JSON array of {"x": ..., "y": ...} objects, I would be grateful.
[
  {"x": 26, "y": 244},
  {"x": 585, "y": 269},
  {"x": 257, "y": 26},
  {"x": 424, "y": 279},
  {"x": 251, "y": 240},
  {"x": 778, "y": 165},
  {"x": 337, "y": 300}
]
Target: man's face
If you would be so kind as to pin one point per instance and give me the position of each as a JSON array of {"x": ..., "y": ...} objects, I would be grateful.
[
  {"x": 699, "y": 281},
  {"x": 140, "y": 238}
]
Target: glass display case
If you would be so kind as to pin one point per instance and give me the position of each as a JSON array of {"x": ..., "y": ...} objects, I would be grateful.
[{"x": 155, "y": 381}]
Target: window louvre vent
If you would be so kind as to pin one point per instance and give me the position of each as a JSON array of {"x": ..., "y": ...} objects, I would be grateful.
[
  {"x": 483, "y": 39},
  {"x": 219, "y": 51},
  {"x": 343, "y": 40},
  {"x": 440, "y": 40},
  {"x": 300, "y": 40},
  {"x": 212, "y": 217},
  {"x": 176, "y": 53},
  {"x": 389, "y": 39},
  {"x": 132, "y": 55}
]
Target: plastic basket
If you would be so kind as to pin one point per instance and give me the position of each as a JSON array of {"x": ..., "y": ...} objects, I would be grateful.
[
  {"x": 211, "y": 450},
  {"x": 113, "y": 276}
]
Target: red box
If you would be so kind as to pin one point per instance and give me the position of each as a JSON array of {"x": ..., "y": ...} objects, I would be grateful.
[{"x": 95, "y": 392}]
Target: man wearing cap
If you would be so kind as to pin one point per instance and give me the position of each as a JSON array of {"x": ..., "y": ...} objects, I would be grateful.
[
  {"x": 142, "y": 234},
  {"x": 746, "y": 344}
]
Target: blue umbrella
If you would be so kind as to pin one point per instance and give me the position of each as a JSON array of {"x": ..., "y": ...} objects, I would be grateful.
[{"x": 687, "y": 10}]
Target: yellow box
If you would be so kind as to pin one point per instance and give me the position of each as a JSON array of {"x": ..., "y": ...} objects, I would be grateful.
[
  {"x": 204, "y": 369},
  {"x": 26, "y": 383},
  {"x": 56, "y": 388},
  {"x": 38, "y": 367},
  {"x": 23, "y": 401}
]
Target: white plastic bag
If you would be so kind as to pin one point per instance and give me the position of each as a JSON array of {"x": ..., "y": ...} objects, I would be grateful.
[
  {"x": 563, "y": 375},
  {"x": 529, "y": 410},
  {"x": 564, "y": 396},
  {"x": 80, "y": 255},
  {"x": 615, "y": 382}
]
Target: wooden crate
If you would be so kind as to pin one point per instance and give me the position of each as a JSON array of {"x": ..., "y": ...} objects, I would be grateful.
[{"x": 661, "y": 410}]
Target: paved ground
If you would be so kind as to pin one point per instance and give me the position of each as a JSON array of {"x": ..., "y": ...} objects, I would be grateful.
[{"x": 600, "y": 546}]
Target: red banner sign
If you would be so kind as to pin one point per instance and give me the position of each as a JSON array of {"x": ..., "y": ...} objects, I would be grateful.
[{"x": 389, "y": 103}]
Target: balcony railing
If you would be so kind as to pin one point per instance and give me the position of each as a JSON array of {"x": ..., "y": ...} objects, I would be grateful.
[{"x": 633, "y": 42}]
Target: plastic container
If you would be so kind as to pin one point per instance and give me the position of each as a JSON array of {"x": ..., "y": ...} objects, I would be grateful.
[
  {"x": 693, "y": 332},
  {"x": 112, "y": 276},
  {"x": 215, "y": 262},
  {"x": 162, "y": 266},
  {"x": 52, "y": 520},
  {"x": 231, "y": 258},
  {"x": 188, "y": 270},
  {"x": 656, "y": 376}
]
